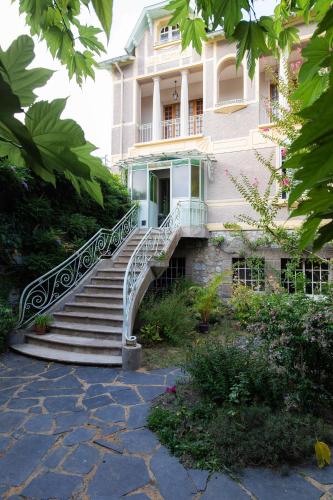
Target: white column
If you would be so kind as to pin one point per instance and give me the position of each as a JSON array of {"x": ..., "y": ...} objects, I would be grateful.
[
  {"x": 283, "y": 76},
  {"x": 157, "y": 128},
  {"x": 184, "y": 116}
]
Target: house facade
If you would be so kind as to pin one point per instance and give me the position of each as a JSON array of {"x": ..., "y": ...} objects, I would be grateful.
[{"x": 180, "y": 122}]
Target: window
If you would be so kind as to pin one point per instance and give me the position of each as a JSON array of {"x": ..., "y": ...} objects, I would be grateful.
[
  {"x": 153, "y": 187},
  {"x": 139, "y": 184},
  {"x": 169, "y": 33},
  {"x": 175, "y": 271},
  {"x": 180, "y": 180},
  {"x": 249, "y": 272},
  {"x": 195, "y": 183},
  {"x": 306, "y": 275}
]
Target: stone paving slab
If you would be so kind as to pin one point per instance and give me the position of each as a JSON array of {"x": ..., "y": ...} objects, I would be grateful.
[{"x": 70, "y": 432}]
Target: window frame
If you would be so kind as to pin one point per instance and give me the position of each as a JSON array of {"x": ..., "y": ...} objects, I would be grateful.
[
  {"x": 167, "y": 33},
  {"x": 257, "y": 284},
  {"x": 306, "y": 267}
]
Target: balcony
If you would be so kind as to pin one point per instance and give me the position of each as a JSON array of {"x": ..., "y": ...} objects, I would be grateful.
[{"x": 171, "y": 128}]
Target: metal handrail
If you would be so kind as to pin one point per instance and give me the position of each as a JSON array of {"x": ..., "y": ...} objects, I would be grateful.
[
  {"x": 152, "y": 245},
  {"x": 45, "y": 291}
]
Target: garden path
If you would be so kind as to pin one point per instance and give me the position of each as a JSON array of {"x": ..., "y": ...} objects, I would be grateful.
[{"x": 69, "y": 432}]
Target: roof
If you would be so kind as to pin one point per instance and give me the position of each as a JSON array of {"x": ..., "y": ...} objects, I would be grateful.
[
  {"x": 192, "y": 153},
  {"x": 147, "y": 15}
]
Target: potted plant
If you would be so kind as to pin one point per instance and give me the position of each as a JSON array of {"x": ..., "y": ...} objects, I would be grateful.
[
  {"x": 42, "y": 323},
  {"x": 205, "y": 301}
]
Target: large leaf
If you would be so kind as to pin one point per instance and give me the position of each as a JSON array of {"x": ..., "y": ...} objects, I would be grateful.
[
  {"x": 98, "y": 170},
  {"x": 323, "y": 454},
  {"x": 55, "y": 137},
  {"x": 193, "y": 31},
  {"x": 103, "y": 9},
  {"x": 316, "y": 53},
  {"x": 23, "y": 81},
  {"x": 251, "y": 40}
]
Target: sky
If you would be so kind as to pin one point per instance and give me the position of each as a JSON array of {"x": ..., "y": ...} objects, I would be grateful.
[{"x": 89, "y": 105}]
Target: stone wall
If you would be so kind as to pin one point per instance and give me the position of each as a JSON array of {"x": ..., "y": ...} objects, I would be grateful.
[{"x": 205, "y": 259}]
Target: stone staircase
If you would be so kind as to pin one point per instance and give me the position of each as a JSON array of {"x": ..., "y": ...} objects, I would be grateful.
[{"x": 88, "y": 328}]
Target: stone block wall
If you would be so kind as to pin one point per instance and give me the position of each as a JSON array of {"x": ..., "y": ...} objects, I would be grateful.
[{"x": 205, "y": 259}]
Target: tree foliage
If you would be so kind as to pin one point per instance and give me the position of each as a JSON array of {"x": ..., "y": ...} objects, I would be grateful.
[
  {"x": 310, "y": 155},
  {"x": 44, "y": 142},
  {"x": 40, "y": 226},
  {"x": 73, "y": 44}
]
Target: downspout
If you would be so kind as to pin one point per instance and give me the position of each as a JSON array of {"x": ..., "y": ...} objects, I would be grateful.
[{"x": 121, "y": 107}]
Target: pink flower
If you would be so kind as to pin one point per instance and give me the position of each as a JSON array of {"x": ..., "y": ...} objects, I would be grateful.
[
  {"x": 283, "y": 152},
  {"x": 266, "y": 129},
  {"x": 226, "y": 172},
  {"x": 255, "y": 183},
  {"x": 285, "y": 182},
  {"x": 171, "y": 390}
]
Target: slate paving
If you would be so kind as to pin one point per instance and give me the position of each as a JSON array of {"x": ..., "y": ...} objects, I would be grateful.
[{"x": 69, "y": 432}]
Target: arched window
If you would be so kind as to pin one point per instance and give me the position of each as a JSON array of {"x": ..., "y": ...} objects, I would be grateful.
[
  {"x": 230, "y": 81},
  {"x": 169, "y": 33}
]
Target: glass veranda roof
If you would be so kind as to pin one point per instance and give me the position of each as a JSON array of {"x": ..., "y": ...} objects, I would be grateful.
[{"x": 177, "y": 155}]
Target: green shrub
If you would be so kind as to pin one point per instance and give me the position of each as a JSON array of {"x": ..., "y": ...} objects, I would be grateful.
[
  {"x": 298, "y": 334},
  {"x": 255, "y": 435},
  {"x": 168, "y": 318},
  {"x": 212, "y": 437},
  {"x": 227, "y": 374},
  {"x": 206, "y": 299},
  {"x": 7, "y": 323},
  {"x": 243, "y": 303}
]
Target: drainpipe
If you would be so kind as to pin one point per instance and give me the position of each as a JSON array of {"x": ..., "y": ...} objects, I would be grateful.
[{"x": 121, "y": 107}]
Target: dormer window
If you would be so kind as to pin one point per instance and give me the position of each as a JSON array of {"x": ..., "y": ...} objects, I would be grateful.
[{"x": 169, "y": 33}]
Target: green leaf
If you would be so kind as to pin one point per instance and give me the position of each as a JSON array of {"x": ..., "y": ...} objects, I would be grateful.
[
  {"x": 94, "y": 189},
  {"x": 310, "y": 90},
  {"x": 323, "y": 454},
  {"x": 88, "y": 38},
  {"x": 193, "y": 31},
  {"x": 55, "y": 137},
  {"x": 103, "y": 9},
  {"x": 181, "y": 11},
  {"x": 23, "y": 81},
  {"x": 327, "y": 22},
  {"x": 288, "y": 37},
  {"x": 251, "y": 39},
  {"x": 316, "y": 53},
  {"x": 98, "y": 170}
]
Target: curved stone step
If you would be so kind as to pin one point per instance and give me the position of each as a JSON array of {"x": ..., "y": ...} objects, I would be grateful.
[
  {"x": 76, "y": 344},
  {"x": 99, "y": 307},
  {"x": 108, "y": 281},
  {"x": 61, "y": 356},
  {"x": 97, "y": 288},
  {"x": 111, "y": 298},
  {"x": 93, "y": 319},
  {"x": 86, "y": 330}
]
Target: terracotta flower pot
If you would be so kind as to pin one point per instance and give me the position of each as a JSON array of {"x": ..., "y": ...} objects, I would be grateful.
[
  {"x": 203, "y": 327},
  {"x": 40, "y": 330}
]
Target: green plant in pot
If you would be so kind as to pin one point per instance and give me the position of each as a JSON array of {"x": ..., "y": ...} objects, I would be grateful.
[
  {"x": 42, "y": 323},
  {"x": 205, "y": 301}
]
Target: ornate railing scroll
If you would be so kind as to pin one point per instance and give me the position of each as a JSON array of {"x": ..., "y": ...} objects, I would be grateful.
[
  {"x": 153, "y": 245},
  {"x": 45, "y": 291}
]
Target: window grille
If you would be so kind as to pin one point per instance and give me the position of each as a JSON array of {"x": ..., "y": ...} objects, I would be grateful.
[
  {"x": 249, "y": 272},
  {"x": 307, "y": 275},
  {"x": 175, "y": 272}
]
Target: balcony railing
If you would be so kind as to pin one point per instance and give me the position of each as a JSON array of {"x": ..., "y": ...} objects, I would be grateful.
[
  {"x": 228, "y": 102},
  {"x": 171, "y": 128}
]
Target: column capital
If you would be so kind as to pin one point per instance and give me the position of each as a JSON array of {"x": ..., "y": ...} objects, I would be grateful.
[
  {"x": 184, "y": 72},
  {"x": 156, "y": 78}
]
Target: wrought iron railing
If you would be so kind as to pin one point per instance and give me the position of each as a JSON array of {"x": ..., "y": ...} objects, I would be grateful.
[
  {"x": 171, "y": 128},
  {"x": 154, "y": 245},
  {"x": 45, "y": 291},
  {"x": 231, "y": 101},
  {"x": 145, "y": 132},
  {"x": 195, "y": 123}
]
